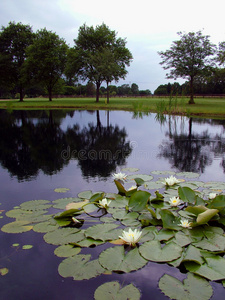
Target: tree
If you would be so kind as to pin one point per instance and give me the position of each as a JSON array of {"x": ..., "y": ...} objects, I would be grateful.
[
  {"x": 98, "y": 56},
  {"x": 134, "y": 89},
  {"x": 188, "y": 57},
  {"x": 221, "y": 53},
  {"x": 46, "y": 59},
  {"x": 14, "y": 40}
]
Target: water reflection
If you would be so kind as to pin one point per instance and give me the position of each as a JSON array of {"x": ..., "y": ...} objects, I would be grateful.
[
  {"x": 32, "y": 141},
  {"x": 192, "y": 151}
]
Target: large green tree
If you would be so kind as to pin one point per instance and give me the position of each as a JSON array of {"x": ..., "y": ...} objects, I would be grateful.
[
  {"x": 188, "y": 57},
  {"x": 98, "y": 55},
  {"x": 46, "y": 59},
  {"x": 14, "y": 40}
]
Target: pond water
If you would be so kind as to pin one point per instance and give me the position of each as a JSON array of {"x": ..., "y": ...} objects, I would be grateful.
[{"x": 80, "y": 150}]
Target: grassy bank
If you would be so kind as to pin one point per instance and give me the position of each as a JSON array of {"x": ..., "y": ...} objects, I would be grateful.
[{"x": 203, "y": 107}]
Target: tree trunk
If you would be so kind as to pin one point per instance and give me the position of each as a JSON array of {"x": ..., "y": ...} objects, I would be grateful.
[
  {"x": 107, "y": 91},
  {"x": 191, "y": 101},
  {"x": 97, "y": 91},
  {"x": 50, "y": 93},
  {"x": 21, "y": 93}
]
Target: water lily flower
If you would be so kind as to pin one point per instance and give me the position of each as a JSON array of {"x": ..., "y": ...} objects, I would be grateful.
[
  {"x": 131, "y": 237},
  {"x": 171, "y": 180},
  {"x": 175, "y": 201},
  {"x": 119, "y": 176},
  {"x": 212, "y": 196},
  {"x": 75, "y": 220},
  {"x": 184, "y": 223},
  {"x": 104, "y": 202}
]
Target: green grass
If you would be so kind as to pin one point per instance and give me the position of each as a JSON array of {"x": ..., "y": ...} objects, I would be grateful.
[{"x": 203, "y": 107}]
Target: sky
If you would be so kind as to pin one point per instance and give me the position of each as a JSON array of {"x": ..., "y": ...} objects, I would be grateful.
[{"x": 148, "y": 26}]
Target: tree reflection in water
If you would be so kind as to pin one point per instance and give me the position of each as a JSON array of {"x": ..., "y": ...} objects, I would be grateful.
[
  {"x": 34, "y": 141},
  {"x": 188, "y": 151}
]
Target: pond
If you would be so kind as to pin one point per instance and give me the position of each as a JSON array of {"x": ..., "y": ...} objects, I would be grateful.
[{"x": 42, "y": 151}]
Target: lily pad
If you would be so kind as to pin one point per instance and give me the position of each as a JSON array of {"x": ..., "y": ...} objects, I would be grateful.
[
  {"x": 213, "y": 269},
  {"x": 4, "y": 271},
  {"x": 188, "y": 174},
  {"x": 116, "y": 259},
  {"x": 112, "y": 290},
  {"x": 79, "y": 267},
  {"x": 36, "y": 205},
  {"x": 193, "y": 287},
  {"x": 61, "y": 190},
  {"x": 17, "y": 227},
  {"x": 85, "y": 195},
  {"x": 163, "y": 172},
  {"x": 64, "y": 236},
  {"x": 67, "y": 251},
  {"x": 152, "y": 250},
  {"x": 103, "y": 232},
  {"x": 27, "y": 247},
  {"x": 61, "y": 203}
]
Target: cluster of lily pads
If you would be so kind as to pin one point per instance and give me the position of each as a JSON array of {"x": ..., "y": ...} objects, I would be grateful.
[{"x": 176, "y": 220}]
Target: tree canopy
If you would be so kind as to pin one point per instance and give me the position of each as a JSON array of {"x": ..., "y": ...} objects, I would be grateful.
[
  {"x": 98, "y": 55},
  {"x": 188, "y": 57},
  {"x": 46, "y": 59},
  {"x": 14, "y": 39}
]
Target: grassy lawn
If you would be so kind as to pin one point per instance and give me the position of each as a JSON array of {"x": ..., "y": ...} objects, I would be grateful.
[{"x": 203, "y": 107}]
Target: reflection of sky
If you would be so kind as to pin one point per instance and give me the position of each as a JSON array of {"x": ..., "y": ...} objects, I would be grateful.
[{"x": 38, "y": 267}]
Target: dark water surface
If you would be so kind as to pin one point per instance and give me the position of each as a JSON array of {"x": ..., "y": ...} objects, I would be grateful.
[{"x": 79, "y": 150}]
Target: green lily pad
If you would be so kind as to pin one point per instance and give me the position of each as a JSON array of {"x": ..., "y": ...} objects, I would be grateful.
[
  {"x": 193, "y": 254},
  {"x": 46, "y": 226},
  {"x": 79, "y": 267},
  {"x": 17, "y": 227},
  {"x": 188, "y": 174},
  {"x": 112, "y": 290},
  {"x": 103, "y": 232},
  {"x": 64, "y": 236},
  {"x": 61, "y": 190},
  {"x": 186, "y": 194},
  {"x": 36, "y": 205},
  {"x": 152, "y": 250},
  {"x": 85, "y": 195},
  {"x": 142, "y": 176},
  {"x": 67, "y": 251},
  {"x": 62, "y": 203},
  {"x": 139, "y": 200},
  {"x": 4, "y": 271},
  {"x": 212, "y": 242},
  {"x": 213, "y": 269},
  {"x": 27, "y": 247},
  {"x": 116, "y": 259},
  {"x": 163, "y": 172},
  {"x": 193, "y": 287}
]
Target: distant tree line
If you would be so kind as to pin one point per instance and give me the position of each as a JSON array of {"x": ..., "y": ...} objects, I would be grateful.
[
  {"x": 41, "y": 63},
  {"x": 36, "y": 63}
]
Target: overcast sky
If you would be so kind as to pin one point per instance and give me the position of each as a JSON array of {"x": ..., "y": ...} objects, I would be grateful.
[{"x": 148, "y": 26}]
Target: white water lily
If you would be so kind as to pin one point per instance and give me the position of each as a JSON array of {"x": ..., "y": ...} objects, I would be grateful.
[
  {"x": 184, "y": 223},
  {"x": 175, "y": 201},
  {"x": 171, "y": 180},
  {"x": 212, "y": 196},
  {"x": 119, "y": 176},
  {"x": 104, "y": 202},
  {"x": 131, "y": 237}
]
